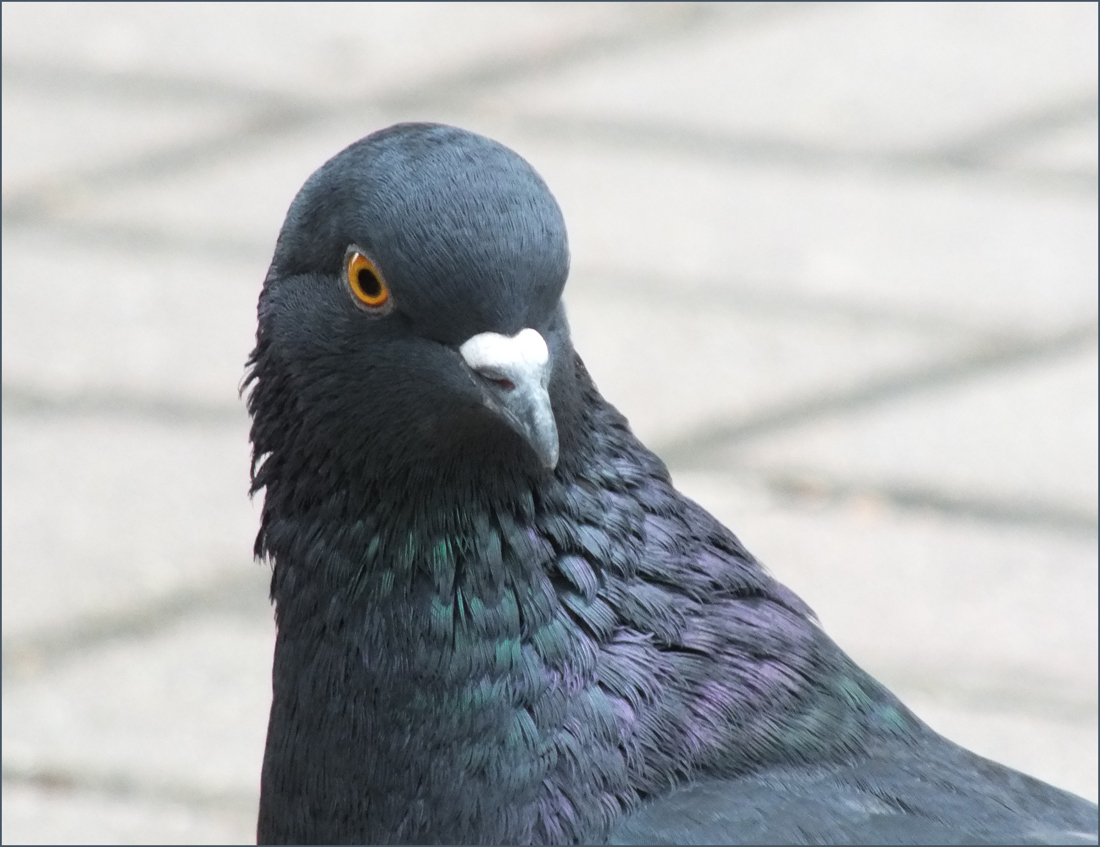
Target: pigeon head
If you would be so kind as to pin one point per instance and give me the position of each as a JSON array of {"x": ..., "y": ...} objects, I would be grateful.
[{"x": 411, "y": 317}]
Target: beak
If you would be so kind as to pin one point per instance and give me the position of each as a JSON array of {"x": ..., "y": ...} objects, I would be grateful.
[{"x": 514, "y": 373}]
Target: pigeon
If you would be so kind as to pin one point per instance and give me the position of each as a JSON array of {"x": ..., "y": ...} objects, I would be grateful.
[{"x": 497, "y": 620}]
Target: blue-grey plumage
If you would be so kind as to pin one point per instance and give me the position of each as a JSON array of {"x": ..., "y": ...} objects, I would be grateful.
[{"x": 498, "y": 622}]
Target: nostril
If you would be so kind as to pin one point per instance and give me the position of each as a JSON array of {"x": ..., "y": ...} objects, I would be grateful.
[{"x": 496, "y": 378}]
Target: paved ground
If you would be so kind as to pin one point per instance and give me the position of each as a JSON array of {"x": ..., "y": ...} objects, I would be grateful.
[{"x": 838, "y": 264}]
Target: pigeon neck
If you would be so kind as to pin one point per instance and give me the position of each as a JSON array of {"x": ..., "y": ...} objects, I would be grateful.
[
  {"x": 420, "y": 651},
  {"x": 424, "y": 645}
]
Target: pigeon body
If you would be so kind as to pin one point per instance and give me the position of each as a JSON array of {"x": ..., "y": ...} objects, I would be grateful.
[{"x": 498, "y": 621}]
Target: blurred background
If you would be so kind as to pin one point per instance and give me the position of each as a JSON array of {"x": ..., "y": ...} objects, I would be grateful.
[{"x": 837, "y": 264}]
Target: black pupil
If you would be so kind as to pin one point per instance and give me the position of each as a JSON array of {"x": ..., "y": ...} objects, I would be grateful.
[{"x": 369, "y": 284}]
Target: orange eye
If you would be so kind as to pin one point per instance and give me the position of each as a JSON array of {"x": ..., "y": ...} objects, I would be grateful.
[{"x": 365, "y": 281}]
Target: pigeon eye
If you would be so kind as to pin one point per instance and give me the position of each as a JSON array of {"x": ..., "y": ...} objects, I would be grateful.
[{"x": 365, "y": 281}]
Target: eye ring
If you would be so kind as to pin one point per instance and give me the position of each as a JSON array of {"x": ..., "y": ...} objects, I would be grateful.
[{"x": 365, "y": 282}]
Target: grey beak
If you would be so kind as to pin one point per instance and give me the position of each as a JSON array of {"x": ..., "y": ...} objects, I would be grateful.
[{"x": 514, "y": 373}]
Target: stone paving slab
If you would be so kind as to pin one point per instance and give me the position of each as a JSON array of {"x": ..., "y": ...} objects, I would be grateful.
[
  {"x": 901, "y": 78},
  {"x": 102, "y": 514},
  {"x": 1068, "y": 150},
  {"x": 63, "y": 816},
  {"x": 670, "y": 365},
  {"x": 182, "y": 712},
  {"x": 39, "y": 131},
  {"x": 231, "y": 199},
  {"x": 1026, "y": 435},
  {"x": 173, "y": 327}
]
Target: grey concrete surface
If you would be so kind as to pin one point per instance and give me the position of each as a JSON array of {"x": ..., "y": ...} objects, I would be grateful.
[{"x": 836, "y": 262}]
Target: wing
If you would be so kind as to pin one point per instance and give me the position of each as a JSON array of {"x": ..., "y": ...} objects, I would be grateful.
[{"x": 932, "y": 792}]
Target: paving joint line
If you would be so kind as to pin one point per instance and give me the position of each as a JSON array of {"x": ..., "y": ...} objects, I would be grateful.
[
  {"x": 34, "y": 205},
  {"x": 1005, "y": 689},
  {"x": 121, "y": 786},
  {"x": 29, "y": 654},
  {"x": 777, "y": 298},
  {"x": 26, "y": 401},
  {"x": 146, "y": 85},
  {"x": 1025, "y": 128},
  {"x": 700, "y": 444},
  {"x": 136, "y": 238},
  {"x": 818, "y": 157},
  {"x": 815, "y": 487}
]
